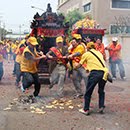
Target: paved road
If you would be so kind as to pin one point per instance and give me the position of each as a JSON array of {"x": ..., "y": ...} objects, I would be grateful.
[{"x": 18, "y": 116}]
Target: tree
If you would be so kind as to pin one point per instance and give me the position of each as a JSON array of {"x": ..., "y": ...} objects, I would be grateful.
[
  {"x": 73, "y": 16},
  {"x": 3, "y": 33}
]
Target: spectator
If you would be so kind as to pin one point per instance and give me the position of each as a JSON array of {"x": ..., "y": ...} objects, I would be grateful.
[{"x": 114, "y": 50}]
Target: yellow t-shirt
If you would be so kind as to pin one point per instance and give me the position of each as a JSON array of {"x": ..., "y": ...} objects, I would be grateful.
[
  {"x": 93, "y": 63},
  {"x": 80, "y": 48},
  {"x": 14, "y": 47}
]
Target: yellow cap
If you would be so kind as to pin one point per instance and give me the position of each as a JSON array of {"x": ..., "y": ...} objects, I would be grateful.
[
  {"x": 27, "y": 35},
  {"x": 77, "y": 36},
  {"x": 32, "y": 41},
  {"x": 16, "y": 41},
  {"x": 22, "y": 41},
  {"x": 1, "y": 42},
  {"x": 59, "y": 39},
  {"x": 90, "y": 44}
]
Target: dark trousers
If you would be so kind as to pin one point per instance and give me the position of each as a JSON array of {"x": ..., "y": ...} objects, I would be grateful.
[
  {"x": 1, "y": 70},
  {"x": 29, "y": 79},
  {"x": 18, "y": 72},
  {"x": 120, "y": 66},
  {"x": 94, "y": 78},
  {"x": 14, "y": 70}
]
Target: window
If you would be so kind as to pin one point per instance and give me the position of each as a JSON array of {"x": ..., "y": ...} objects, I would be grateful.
[
  {"x": 114, "y": 29},
  {"x": 87, "y": 7},
  {"x": 124, "y": 4}
]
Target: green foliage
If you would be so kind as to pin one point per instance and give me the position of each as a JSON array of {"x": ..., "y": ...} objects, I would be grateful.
[
  {"x": 73, "y": 16},
  {"x": 3, "y": 32}
]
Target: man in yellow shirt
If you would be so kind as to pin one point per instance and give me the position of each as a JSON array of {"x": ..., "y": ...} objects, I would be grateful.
[
  {"x": 28, "y": 66},
  {"x": 98, "y": 75},
  {"x": 78, "y": 74},
  {"x": 18, "y": 52}
]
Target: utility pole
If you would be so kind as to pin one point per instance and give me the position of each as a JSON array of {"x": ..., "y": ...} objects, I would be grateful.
[
  {"x": 0, "y": 30},
  {"x": 20, "y": 31},
  {"x": 37, "y": 8},
  {"x": 0, "y": 26}
]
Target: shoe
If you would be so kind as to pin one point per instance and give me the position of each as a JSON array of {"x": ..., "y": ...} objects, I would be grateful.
[
  {"x": 60, "y": 95},
  {"x": 78, "y": 95},
  {"x": 123, "y": 78},
  {"x": 37, "y": 97},
  {"x": 13, "y": 73},
  {"x": 50, "y": 86},
  {"x": 22, "y": 89},
  {"x": 17, "y": 84},
  {"x": 84, "y": 112},
  {"x": 114, "y": 78},
  {"x": 101, "y": 110}
]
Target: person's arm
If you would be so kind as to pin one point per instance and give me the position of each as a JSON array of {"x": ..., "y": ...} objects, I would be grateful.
[
  {"x": 102, "y": 49},
  {"x": 30, "y": 57},
  {"x": 108, "y": 48},
  {"x": 80, "y": 49},
  {"x": 49, "y": 54},
  {"x": 74, "y": 55},
  {"x": 117, "y": 48},
  {"x": 83, "y": 59}
]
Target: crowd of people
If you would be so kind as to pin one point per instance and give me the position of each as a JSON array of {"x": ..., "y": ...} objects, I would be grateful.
[{"x": 80, "y": 60}]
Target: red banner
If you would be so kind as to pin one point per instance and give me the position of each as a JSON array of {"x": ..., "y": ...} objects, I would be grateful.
[
  {"x": 47, "y": 32},
  {"x": 90, "y": 31},
  {"x": 93, "y": 31}
]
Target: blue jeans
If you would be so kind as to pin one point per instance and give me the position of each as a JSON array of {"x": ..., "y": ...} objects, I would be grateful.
[
  {"x": 120, "y": 66},
  {"x": 1, "y": 70},
  {"x": 29, "y": 79},
  {"x": 18, "y": 72},
  {"x": 94, "y": 78}
]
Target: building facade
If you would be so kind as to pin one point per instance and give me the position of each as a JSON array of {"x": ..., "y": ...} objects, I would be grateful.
[{"x": 113, "y": 15}]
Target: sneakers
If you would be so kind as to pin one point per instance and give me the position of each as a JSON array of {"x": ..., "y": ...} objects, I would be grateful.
[
  {"x": 17, "y": 85},
  {"x": 84, "y": 112},
  {"x": 123, "y": 78},
  {"x": 50, "y": 86},
  {"x": 101, "y": 110},
  {"x": 22, "y": 89},
  {"x": 79, "y": 95},
  {"x": 114, "y": 78},
  {"x": 37, "y": 97}
]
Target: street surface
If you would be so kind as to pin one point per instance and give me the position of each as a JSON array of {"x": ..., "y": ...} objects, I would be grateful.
[{"x": 51, "y": 113}]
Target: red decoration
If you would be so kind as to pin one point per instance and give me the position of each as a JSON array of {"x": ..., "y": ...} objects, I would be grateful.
[{"x": 48, "y": 32}]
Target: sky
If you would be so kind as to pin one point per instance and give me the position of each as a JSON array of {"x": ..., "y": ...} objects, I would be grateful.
[{"x": 16, "y": 13}]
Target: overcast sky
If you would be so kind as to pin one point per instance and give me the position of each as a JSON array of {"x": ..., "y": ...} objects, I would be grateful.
[{"x": 14, "y": 13}]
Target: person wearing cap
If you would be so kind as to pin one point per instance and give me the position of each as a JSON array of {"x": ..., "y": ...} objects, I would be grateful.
[
  {"x": 14, "y": 47},
  {"x": 18, "y": 52},
  {"x": 115, "y": 58},
  {"x": 28, "y": 66},
  {"x": 77, "y": 74},
  {"x": 79, "y": 39},
  {"x": 57, "y": 55},
  {"x": 26, "y": 38},
  {"x": 9, "y": 50},
  {"x": 97, "y": 75}
]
